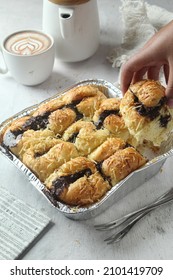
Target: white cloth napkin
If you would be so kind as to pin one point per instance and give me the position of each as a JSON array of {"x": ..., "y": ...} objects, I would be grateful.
[
  {"x": 20, "y": 226},
  {"x": 140, "y": 21}
]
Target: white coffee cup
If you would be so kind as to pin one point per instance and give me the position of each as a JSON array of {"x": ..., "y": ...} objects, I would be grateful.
[{"x": 29, "y": 56}]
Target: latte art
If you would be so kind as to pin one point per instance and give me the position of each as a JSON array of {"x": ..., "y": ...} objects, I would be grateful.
[
  {"x": 27, "y": 46},
  {"x": 27, "y": 43}
]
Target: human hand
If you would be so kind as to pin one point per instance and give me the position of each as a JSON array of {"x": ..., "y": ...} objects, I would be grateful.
[{"x": 157, "y": 53}]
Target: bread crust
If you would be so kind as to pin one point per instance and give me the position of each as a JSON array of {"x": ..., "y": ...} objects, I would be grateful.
[
  {"x": 107, "y": 148},
  {"x": 122, "y": 163},
  {"x": 109, "y": 116},
  {"x": 88, "y": 187}
]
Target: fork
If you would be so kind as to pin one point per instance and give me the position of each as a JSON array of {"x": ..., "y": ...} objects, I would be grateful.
[{"x": 129, "y": 220}]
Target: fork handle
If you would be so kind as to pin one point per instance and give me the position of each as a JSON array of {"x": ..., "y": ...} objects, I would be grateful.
[
  {"x": 151, "y": 206},
  {"x": 127, "y": 217}
]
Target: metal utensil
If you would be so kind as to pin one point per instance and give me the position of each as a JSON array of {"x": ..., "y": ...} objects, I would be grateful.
[{"x": 128, "y": 221}]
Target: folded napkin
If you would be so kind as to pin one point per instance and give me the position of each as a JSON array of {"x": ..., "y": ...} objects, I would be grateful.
[
  {"x": 20, "y": 226},
  {"x": 140, "y": 21}
]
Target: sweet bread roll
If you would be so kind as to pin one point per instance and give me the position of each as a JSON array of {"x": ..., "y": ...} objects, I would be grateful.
[
  {"x": 12, "y": 134},
  {"x": 77, "y": 183},
  {"x": 89, "y": 105},
  {"x": 86, "y": 99},
  {"x": 73, "y": 130},
  {"x": 146, "y": 113},
  {"x": 108, "y": 148},
  {"x": 61, "y": 119},
  {"x": 50, "y": 106},
  {"x": 57, "y": 121},
  {"x": 121, "y": 164},
  {"x": 57, "y": 114},
  {"x": 44, "y": 139},
  {"x": 85, "y": 136},
  {"x": 108, "y": 116},
  {"x": 81, "y": 92},
  {"x": 43, "y": 161},
  {"x": 40, "y": 140}
]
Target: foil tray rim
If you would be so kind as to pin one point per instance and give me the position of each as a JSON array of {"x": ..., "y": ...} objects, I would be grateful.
[{"x": 71, "y": 211}]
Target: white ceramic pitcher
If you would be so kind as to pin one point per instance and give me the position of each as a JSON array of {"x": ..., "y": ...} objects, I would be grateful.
[{"x": 74, "y": 25}]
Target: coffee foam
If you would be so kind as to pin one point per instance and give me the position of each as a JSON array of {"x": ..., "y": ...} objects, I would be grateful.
[{"x": 27, "y": 43}]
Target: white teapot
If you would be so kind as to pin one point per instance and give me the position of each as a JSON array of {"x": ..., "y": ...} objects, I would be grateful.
[{"x": 74, "y": 25}]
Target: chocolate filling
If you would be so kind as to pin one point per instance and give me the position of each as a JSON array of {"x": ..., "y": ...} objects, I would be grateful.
[
  {"x": 39, "y": 122},
  {"x": 73, "y": 107},
  {"x": 152, "y": 112},
  {"x": 164, "y": 120},
  {"x": 64, "y": 181},
  {"x": 99, "y": 168},
  {"x": 36, "y": 123},
  {"x": 73, "y": 137},
  {"x": 104, "y": 115}
]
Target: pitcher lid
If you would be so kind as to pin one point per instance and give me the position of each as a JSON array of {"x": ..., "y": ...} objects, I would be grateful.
[{"x": 68, "y": 2}]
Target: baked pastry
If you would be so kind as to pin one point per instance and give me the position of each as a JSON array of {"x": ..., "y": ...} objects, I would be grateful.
[
  {"x": 107, "y": 148},
  {"x": 81, "y": 93},
  {"x": 146, "y": 113},
  {"x": 61, "y": 119},
  {"x": 75, "y": 144},
  {"x": 82, "y": 99},
  {"x": 19, "y": 143},
  {"x": 85, "y": 136},
  {"x": 121, "y": 164},
  {"x": 109, "y": 116},
  {"x": 44, "y": 161},
  {"x": 58, "y": 114},
  {"x": 77, "y": 182}
]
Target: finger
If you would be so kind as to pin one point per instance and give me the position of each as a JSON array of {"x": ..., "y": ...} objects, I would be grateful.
[
  {"x": 129, "y": 74},
  {"x": 153, "y": 72},
  {"x": 126, "y": 77},
  {"x": 169, "y": 88},
  {"x": 135, "y": 64},
  {"x": 139, "y": 75}
]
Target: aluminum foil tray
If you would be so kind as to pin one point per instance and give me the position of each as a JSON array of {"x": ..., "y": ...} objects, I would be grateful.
[{"x": 118, "y": 191}]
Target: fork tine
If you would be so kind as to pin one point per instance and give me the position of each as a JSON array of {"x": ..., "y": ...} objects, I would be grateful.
[
  {"x": 121, "y": 233},
  {"x": 117, "y": 238},
  {"x": 115, "y": 223}
]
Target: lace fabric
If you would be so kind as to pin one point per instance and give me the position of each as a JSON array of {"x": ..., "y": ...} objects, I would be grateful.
[{"x": 140, "y": 20}]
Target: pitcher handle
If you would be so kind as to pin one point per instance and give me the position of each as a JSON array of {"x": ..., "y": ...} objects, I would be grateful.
[
  {"x": 66, "y": 19},
  {"x": 3, "y": 70}
]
